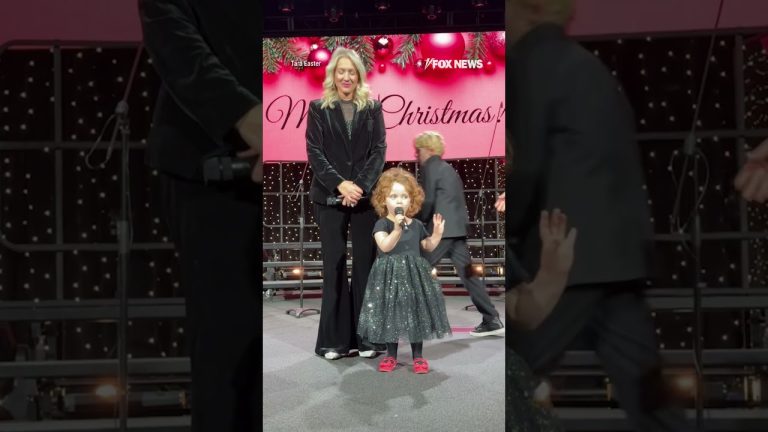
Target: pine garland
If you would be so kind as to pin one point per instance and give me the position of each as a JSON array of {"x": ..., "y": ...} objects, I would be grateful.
[
  {"x": 290, "y": 53},
  {"x": 477, "y": 47},
  {"x": 406, "y": 50},
  {"x": 279, "y": 52},
  {"x": 333, "y": 42},
  {"x": 360, "y": 44},
  {"x": 271, "y": 57},
  {"x": 363, "y": 46}
]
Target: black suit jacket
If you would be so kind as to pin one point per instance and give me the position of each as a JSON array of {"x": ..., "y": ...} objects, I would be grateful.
[
  {"x": 444, "y": 194},
  {"x": 335, "y": 158},
  {"x": 573, "y": 148},
  {"x": 208, "y": 55}
]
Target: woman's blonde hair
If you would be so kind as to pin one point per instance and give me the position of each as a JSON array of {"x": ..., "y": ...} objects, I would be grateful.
[
  {"x": 539, "y": 11},
  {"x": 384, "y": 186},
  {"x": 331, "y": 94},
  {"x": 430, "y": 140}
]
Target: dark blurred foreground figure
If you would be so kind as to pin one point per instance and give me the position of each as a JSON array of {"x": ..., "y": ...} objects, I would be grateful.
[
  {"x": 573, "y": 148},
  {"x": 208, "y": 55}
]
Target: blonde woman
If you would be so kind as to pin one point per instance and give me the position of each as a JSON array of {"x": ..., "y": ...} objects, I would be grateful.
[{"x": 346, "y": 148}]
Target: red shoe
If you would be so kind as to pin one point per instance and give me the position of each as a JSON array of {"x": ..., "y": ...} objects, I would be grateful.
[
  {"x": 387, "y": 364},
  {"x": 420, "y": 366}
]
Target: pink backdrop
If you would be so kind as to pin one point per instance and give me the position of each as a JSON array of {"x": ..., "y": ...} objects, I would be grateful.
[
  {"x": 403, "y": 94},
  {"x": 116, "y": 19}
]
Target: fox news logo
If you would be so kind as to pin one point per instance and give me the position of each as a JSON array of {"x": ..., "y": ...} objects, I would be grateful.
[{"x": 453, "y": 64}]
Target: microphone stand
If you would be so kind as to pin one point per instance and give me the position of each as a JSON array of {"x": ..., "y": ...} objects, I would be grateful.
[
  {"x": 298, "y": 312},
  {"x": 695, "y": 236},
  {"x": 480, "y": 204},
  {"x": 122, "y": 125}
]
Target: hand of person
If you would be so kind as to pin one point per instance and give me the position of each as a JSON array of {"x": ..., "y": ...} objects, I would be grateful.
[
  {"x": 500, "y": 203},
  {"x": 350, "y": 191},
  {"x": 399, "y": 220},
  {"x": 257, "y": 165},
  {"x": 438, "y": 224},
  {"x": 556, "y": 247},
  {"x": 250, "y": 128},
  {"x": 752, "y": 179},
  {"x": 346, "y": 202},
  {"x": 533, "y": 302}
]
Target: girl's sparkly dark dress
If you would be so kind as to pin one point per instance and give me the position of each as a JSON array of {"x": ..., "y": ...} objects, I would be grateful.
[
  {"x": 523, "y": 415},
  {"x": 402, "y": 299}
]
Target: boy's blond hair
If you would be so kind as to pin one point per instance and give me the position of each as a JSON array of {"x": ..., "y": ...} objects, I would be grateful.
[{"x": 430, "y": 140}]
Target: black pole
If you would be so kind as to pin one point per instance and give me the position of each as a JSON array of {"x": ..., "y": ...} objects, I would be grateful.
[
  {"x": 299, "y": 312},
  {"x": 124, "y": 243},
  {"x": 697, "y": 311}
]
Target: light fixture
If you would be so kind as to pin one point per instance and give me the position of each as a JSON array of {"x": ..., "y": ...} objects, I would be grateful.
[
  {"x": 685, "y": 384},
  {"x": 106, "y": 391},
  {"x": 382, "y": 5},
  {"x": 479, "y": 3},
  {"x": 334, "y": 10},
  {"x": 285, "y": 6},
  {"x": 431, "y": 10}
]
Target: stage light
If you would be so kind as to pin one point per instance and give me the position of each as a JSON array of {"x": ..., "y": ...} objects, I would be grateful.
[
  {"x": 296, "y": 271},
  {"x": 755, "y": 389},
  {"x": 431, "y": 10},
  {"x": 479, "y": 3},
  {"x": 685, "y": 384},
  {"x": 542, "y": 395},
  {"x": 334, "y": 9},
  {"x": 106, "y": 391},
  {"x": 501, "y": 270},
  {"x": 285, "y": 6},
  {"x": 381, "y": 5}
]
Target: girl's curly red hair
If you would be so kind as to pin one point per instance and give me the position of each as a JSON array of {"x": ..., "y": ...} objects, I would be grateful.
[{"x": 384, "y": 186}]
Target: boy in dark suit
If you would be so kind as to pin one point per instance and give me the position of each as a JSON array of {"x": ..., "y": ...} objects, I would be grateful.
[
  {"x": 574, "y": 149},
  {"x": 444, "y": 194}
]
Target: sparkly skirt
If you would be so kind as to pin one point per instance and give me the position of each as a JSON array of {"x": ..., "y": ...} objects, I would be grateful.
[
  {"x": 522, "y": 414},
  {"x": 402, "y": 300}
]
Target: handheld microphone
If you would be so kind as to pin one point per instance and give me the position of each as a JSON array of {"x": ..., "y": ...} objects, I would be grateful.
[
  {"x": 225, "y": 168},
  {"x": 333, "y": 201},
  {"x": 399, "y": 211}
]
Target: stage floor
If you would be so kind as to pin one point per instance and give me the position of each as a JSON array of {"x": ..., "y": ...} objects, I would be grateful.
[{"x": 464, "y": 390}]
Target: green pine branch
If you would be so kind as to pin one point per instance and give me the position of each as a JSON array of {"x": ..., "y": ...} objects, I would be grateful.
[
  {"x": 290, "y": 53},
  {"x": 363, "y": 46},
  {"x": 405, "y": 52},
  {"x": 333, "y": 42},
  {"x": 477, "y": 47},
  {"x": 272, "y": 57}
]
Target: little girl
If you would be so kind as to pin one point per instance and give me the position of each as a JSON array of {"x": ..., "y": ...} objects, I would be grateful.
[{"x": 401, "y": 298}]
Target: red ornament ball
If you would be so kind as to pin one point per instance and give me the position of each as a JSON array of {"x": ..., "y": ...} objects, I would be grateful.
[
  {"x": 444, "y": 46},
  {"x": 321, "y": 55},
  {"x": 497, "y": 45},
  {"x": 382, "y": 47},
  {"x": 489, "y": 66},
  {"x": 320, "y": 58},
  {"x": 419, "y": 66},
  {"x": 382, "y": 67}
]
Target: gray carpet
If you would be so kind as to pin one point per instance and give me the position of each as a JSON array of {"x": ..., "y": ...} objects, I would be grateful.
[{"x": 464, "y": 390}]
